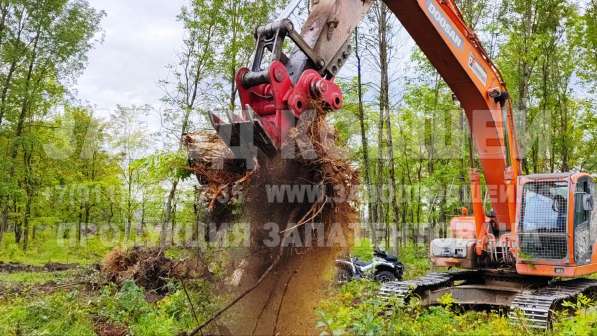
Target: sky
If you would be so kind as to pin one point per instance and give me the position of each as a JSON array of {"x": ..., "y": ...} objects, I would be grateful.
[{"x": 140, "y": 38}]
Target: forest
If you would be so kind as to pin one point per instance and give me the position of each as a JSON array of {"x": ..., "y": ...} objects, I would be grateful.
[{"x": 105, "y": 228}]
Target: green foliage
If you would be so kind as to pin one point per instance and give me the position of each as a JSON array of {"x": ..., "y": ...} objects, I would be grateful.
[
  {"x": 74, "y": 313},
  {"x": 582, "y": 321},
  {"x": 169, "y": 316},
  {"x": 417, "y": 260},
  {"x": 356, "y": 310},
  {"x": 54, "y": 315},
  {"x": 51, "y": 250},
  {"x": 34, "y": 278},
  {"x": 363, "y": 249}
]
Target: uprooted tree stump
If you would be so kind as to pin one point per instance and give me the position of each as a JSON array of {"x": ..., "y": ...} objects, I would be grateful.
[
  {"x": 282, "y": 282},
  {"x": 150, "y": 268}
]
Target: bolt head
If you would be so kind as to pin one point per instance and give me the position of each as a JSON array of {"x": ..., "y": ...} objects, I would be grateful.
[{"x": 322, "y": 86}]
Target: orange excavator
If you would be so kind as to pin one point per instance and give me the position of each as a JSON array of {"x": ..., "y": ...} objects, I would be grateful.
[{"x": 530, "y": 252}]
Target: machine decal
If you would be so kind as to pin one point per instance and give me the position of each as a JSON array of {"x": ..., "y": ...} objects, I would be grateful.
[
  {"x": 477, "y": 69},
  {"x": 438, "y": 16}
]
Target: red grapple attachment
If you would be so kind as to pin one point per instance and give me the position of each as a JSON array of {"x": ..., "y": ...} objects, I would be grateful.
[
  {"x": 271, "y": 106},
  {"x": 272, "y": 100}
]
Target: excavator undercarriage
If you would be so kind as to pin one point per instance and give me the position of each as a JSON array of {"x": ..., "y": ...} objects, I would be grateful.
[{"x": 527, "y": 300}]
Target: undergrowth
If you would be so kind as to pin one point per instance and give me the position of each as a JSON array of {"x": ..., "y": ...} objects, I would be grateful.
[
  {"x": 35, "y": 278},
  {"x": 355, "y": 309},
  {"x": 50, "y": 250},
  {"x": 76, "y": 313}
]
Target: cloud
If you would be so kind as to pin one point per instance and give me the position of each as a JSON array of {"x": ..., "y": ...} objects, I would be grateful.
[{"x": 141, "y": 37}]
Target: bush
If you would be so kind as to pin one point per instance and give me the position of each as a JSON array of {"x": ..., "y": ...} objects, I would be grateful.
[
  {"x": 169, "y": 316},
  {"x": 55, "y": 315}
]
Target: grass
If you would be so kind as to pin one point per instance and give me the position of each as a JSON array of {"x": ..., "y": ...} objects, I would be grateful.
[
  {"x": 46, "y": 249},
  {"x": 35, "y": 278},
  {"x": 355, "y": 309},
  {"x": 72, "y": 312},
  {"x": 351, "y": 310},
  {"x": 75, "y": 313},
  {"x": 56, "y": 314}
]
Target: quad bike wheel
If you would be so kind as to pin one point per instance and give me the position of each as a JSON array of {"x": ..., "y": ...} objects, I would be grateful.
[{"x": 385, "y": 276}]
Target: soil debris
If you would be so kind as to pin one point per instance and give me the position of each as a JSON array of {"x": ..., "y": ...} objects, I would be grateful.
[
  {"x": 150, "y": 268},
  {"x": 104, "y": 328},
  {"x": 213, "y": 164},
  {"x": 49, "y": 267}
]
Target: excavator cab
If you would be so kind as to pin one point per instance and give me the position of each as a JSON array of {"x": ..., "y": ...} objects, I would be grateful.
[
  {"x": 555, "y": 234},
  {"x": 556, "y": 229}
]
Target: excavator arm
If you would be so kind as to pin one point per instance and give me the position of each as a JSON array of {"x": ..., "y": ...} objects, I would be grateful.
[{"x": 274, "y": 96}]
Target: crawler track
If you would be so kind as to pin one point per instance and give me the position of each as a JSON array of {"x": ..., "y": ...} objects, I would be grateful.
[
  {"x": 431, "y": 281},
  {"x": 533, "y": 307}
]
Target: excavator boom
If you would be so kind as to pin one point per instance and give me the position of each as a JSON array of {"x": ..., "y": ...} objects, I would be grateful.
[{"x": 323, "y": 46}]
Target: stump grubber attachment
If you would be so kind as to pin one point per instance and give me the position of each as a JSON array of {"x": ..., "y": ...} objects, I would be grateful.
[
  {"x": 274, "y": 96},
  {"x": 272, "y": 103}
]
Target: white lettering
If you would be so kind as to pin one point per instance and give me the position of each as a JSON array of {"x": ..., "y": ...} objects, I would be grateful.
[{"x": 440, "y": 18}]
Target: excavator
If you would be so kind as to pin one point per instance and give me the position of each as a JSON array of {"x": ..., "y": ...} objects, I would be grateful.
[{"x": 537, "y": 245}]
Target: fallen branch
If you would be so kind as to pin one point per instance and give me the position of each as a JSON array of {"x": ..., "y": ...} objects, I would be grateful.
[
  {"x": 265, "y": 305},
  {"x": 282, "y": 301},
  {"x": 235, "y": 301},
  {"x": 184, "y": 287}
]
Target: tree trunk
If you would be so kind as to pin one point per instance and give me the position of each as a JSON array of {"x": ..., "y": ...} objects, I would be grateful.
[
  {"x": 5, "y": 88},
  {"x": 141, "y": 227},
  {"x": 168, "y": 213},
  {"x": 79, "y": 224},
  {"x": 29, "y": 192},
  {"x": 371, "y": 215},
  {"x": 173, "y": 230},
  {"x": 197, "y": 216},
  {"x": 26, "y": 219},
  {"x": 384, "y": 104},
  {"x": 20, "y": 123}
]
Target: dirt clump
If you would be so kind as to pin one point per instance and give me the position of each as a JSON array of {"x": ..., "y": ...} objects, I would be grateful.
[
  {"x": 147, "y": 267},
  {"x": 215, "y": 167},
  {"x": 150, "y": 268},
  {"x": 104, "y": 328}
]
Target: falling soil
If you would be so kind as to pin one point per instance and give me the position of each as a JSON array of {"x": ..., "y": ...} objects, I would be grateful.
[{"x": 292, "y": 275}]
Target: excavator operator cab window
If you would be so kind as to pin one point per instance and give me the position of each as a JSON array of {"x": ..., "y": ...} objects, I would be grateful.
[
  {"x": 583, "y": 226},
  {"x": 544, "y": 218}
]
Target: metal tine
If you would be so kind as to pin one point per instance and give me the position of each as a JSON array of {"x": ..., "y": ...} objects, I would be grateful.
[
  {"x": 230, "y": 115},
  {"x": 214, "y": 120},
  {"x": 289, "y": 9},
  {"x": 249, "y": 113}
]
